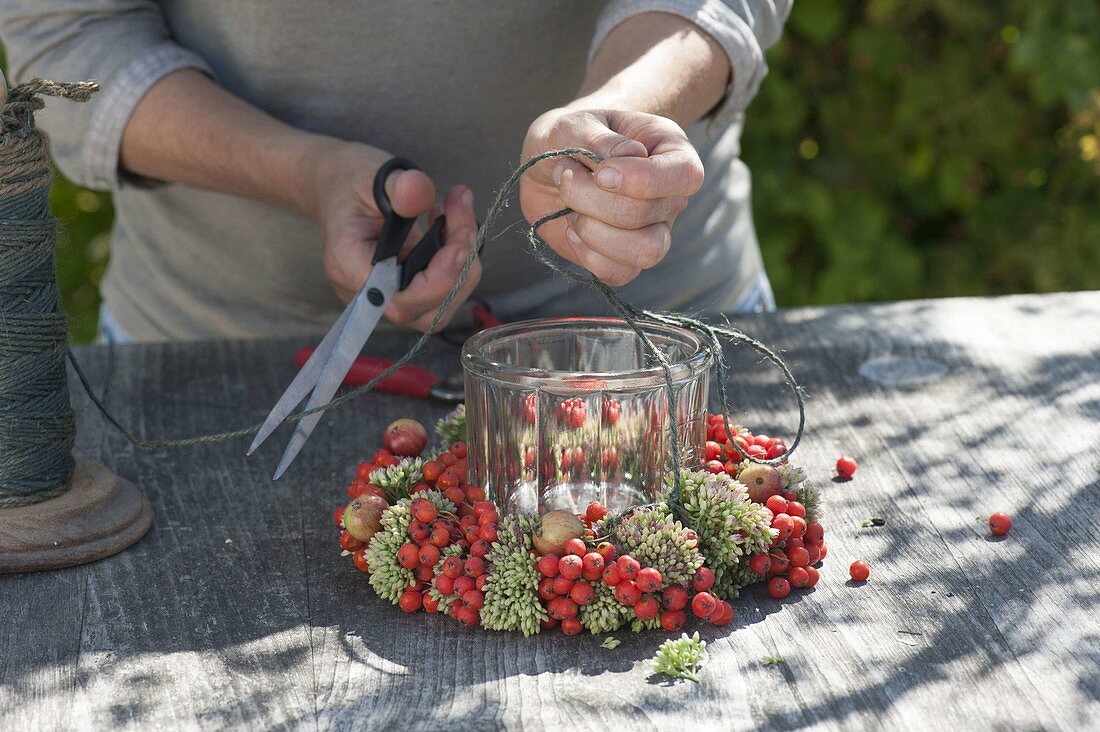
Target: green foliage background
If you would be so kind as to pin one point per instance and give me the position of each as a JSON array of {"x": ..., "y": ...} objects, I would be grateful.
[{"x": 900, "y": 149}]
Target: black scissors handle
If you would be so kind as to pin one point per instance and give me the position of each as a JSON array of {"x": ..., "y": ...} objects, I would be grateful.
[{"x": 396, "y": 228}]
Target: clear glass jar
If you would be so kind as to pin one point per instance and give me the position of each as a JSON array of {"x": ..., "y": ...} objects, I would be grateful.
[{"x": 562, "y": 412}]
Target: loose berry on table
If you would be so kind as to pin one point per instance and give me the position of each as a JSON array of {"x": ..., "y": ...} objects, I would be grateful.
[
  {"x": 1000, "y": 524},
  {"x": 846, "y": 467},
  {"x": 859, "y": 571}
]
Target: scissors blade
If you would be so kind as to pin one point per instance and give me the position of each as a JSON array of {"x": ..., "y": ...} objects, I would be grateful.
[
  {"x": 362, "y": 319},
  {"x": 303, "y": 382}
]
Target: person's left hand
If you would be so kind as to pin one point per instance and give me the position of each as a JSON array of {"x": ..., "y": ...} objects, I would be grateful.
[{"x": 623, "y": 208}]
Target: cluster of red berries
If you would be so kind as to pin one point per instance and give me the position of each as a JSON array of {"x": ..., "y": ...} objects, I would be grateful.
[
  {"x": 569, "y": 583},
  {"x": 721, "y": 454},
  {"x": 446, "y": 473},
  {"x": 797, "y": 550},
  {"x": 462, "y": 576}
]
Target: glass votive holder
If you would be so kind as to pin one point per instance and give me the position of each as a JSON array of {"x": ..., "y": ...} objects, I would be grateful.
[{"x": 565, "y": 411}]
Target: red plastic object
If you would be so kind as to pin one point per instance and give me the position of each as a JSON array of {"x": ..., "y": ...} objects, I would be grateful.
[{"x": 410, "y": 380}]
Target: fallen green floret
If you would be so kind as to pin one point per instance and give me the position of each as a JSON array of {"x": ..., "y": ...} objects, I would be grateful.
[
  {"x": 682, "y": 657},
  {"x": 610, "y": 643}
]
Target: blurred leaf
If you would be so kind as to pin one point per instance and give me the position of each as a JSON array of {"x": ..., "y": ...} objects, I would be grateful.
[{"x": 819, "y": 21}]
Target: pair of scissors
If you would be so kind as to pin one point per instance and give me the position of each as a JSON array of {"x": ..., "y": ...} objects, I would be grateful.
[{"x": 323, "y": 372}]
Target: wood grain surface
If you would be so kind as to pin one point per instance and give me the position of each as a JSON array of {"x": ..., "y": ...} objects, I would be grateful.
[{"x": 236, "y": 611}]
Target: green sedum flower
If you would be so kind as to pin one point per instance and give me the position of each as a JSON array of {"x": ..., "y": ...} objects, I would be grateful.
[
  {"x": 656, "y": 540},
  {"x": 398, "y": 480},
  {"x": 388, "y": 578},
  {"x": 731, "y": 527},
  {"x": 452, "y": 428},
  {"x": 682, "y": 657},
  {"x": 512, "y": 585}
]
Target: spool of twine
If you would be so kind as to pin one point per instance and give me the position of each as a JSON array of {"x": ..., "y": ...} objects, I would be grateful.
[{"x": 36, "y": 419}]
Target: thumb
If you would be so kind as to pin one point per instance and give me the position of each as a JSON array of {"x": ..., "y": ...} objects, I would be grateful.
[{"x": 411, "y": 192}]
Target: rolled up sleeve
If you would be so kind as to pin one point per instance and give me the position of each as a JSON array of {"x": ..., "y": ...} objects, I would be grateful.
[
  {"x": 125, "y": 45},
  {"x": 745, "y": 29}
]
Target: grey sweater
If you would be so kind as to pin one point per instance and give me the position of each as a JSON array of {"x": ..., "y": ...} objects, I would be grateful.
[{"x": 451, "y": 85}]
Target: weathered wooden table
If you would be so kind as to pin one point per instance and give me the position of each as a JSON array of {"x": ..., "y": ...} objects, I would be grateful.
[{"x": 237, "y": 611}]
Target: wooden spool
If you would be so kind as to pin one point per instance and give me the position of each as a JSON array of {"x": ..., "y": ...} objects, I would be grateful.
[{"x": 99, "y": 515}]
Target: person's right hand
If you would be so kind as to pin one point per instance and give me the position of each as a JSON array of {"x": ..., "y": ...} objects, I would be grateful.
[{"x": 340, "y": 199}]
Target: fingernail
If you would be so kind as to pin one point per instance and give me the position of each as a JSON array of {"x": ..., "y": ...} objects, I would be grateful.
[
  {"x": 609, "y": 179},
  {"x": 468, "y": 198},
  {"x": 572, "y": 236},
  {"x": 558, "y": 170}
]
